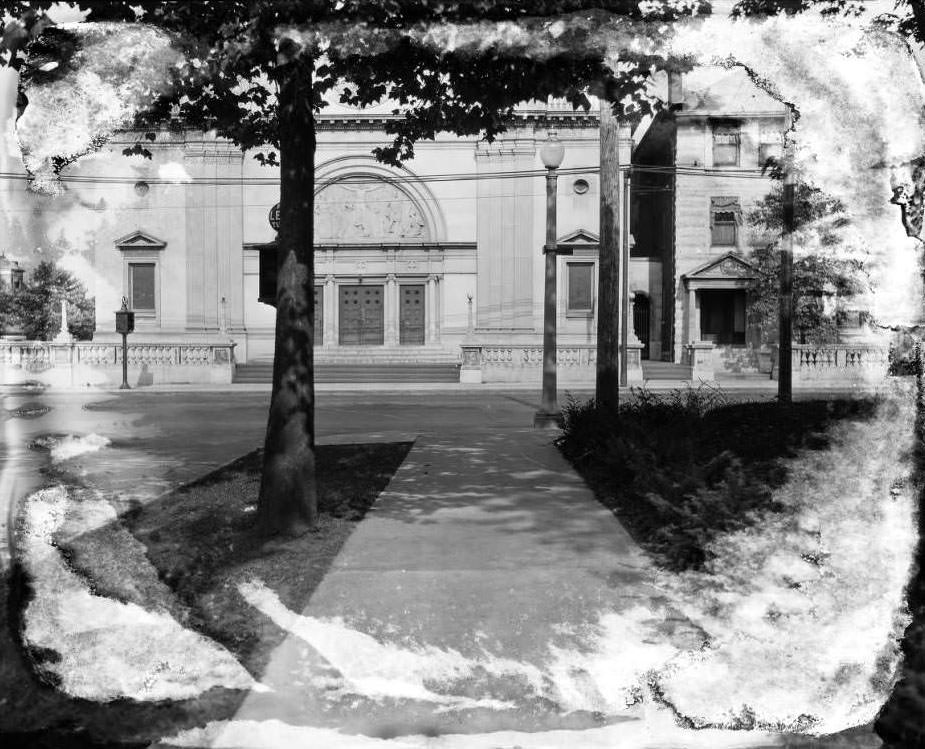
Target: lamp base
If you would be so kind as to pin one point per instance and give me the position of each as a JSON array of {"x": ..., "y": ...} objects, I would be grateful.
[{"x": 546, "y": 420}]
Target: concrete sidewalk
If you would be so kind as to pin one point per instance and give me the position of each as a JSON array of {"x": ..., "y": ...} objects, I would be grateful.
[{"x": 484, "y": 557}]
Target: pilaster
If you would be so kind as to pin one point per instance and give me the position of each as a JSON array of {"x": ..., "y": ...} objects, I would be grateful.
[
  {"x": 430, "y": 301},
  {"x": 390, "y": 310},
  {"x": 329, "y": 304}
]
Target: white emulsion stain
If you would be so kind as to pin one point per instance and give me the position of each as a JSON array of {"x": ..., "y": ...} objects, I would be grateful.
[
  {"x": 858, "y": 93},
  {"x": 381, "y": 670},
  {"x": 71, "y": 446},
  {"x": 107, "y": 649}
]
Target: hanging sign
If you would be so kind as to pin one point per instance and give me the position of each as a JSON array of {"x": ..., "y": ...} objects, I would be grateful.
[{"x": 274, "y": 217}]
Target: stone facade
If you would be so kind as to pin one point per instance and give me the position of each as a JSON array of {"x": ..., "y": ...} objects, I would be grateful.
[
  {"x": 711, "y": 150},
  {"x": 412, "y": 263}
]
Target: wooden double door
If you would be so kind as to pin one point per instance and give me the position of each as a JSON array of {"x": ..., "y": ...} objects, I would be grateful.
[
  {"x": 361, "y": 315},
  {"x": 361, "y": 319}
]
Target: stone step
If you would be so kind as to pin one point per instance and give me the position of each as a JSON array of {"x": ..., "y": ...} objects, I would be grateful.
[
  {"x": 263, "y": 373},
  {"x": 663, "y": 370}
]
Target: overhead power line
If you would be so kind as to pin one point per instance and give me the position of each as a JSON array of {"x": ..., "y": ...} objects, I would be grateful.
[{"x": 401, "y": 179}]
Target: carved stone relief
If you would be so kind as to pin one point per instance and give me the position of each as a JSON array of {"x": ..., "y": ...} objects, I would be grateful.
[
  {"x": 731, "y": 267},
  {"x": 367, "y": 211}
]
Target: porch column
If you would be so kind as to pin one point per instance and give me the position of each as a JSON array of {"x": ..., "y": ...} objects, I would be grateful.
[
  {"x": 693, "y": 324},
  {"x": 390, "y": 310},
  {"x": 329, "y": 303},
  {"x": 430, "y": 301}
]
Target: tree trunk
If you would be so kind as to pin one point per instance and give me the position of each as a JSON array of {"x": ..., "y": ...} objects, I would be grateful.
[
  {"x": 288, "y": 502},
  {"x": 785, "y": 340},
  {"x": 608, "y": 308}
]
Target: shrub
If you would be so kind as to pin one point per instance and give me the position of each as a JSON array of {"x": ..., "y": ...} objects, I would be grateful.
[
  {"x": 680, "y": 468},
  {"x": 35, "y": 310},
  {"x": 904, "y": 357}
]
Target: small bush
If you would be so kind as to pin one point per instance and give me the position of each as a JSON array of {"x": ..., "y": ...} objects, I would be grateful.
[
  {"x": 904, "y": 358},
  {"x": 678, "y": 469}
]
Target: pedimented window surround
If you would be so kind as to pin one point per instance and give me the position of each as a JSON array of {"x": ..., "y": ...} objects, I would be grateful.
[{"x": 141, "y": 254}]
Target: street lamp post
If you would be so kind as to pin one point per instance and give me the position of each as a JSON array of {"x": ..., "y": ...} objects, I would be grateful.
[
  {"x": 125, "y": 324},
  {"x": 551, "y": 154}
]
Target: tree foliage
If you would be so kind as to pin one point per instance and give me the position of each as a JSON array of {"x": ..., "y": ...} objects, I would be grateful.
[
  {"x": 825, "y": 277},
  {"x": 35, "y": 309}
]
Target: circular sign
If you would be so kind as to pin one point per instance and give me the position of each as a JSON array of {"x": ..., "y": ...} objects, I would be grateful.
[{"x": 274, "y": 217}]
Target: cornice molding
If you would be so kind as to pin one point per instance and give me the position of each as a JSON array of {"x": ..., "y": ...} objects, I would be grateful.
[{"x": 384, "y": 247}]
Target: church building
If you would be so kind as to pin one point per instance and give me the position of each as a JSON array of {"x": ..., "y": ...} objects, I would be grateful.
[{"x": 442, "y": 257}]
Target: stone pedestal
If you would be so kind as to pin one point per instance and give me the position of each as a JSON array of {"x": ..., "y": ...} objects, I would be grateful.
[
  {"x": 700, "y": 356},
  {"x": 634, "y": 362},
  {"x": 470, "y": 371},
  {"x": 64, "y": 336}
]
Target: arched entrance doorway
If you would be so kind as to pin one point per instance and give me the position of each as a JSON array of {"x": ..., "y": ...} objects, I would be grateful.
[{"x": 641, "y": 308}]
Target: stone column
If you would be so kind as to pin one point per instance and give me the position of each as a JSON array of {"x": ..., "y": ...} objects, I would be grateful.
[
  {"x": 330, "y": 311},
  {"x": 390, "y": 310},
  {"x": 438, "y": 307},
  {"x": 430, "y": 300},
  {"x": 693, "y": 325}
]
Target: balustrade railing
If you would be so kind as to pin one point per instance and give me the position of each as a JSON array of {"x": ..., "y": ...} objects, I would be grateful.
[
  {"x": 839, "y": 360},
  {"x": 524, "y": 355},
  {"x": 41, "y": 356}
]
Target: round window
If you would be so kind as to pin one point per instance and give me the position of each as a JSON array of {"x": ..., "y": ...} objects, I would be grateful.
[{"x": 580, "y": 186}]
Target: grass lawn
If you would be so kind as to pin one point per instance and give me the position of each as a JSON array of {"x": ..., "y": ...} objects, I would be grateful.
[{"x": 184, "y": 554}]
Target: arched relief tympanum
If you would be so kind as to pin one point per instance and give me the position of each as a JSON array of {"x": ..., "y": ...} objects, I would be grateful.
[{"x": 368, "y": 209}]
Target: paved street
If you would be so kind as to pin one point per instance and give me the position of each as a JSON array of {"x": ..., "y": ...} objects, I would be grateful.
[{"x": 162, "y": 439}]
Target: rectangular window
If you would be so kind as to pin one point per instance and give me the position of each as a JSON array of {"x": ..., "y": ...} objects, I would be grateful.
[
  {"x": 724, "y": 219},
  {"x": 725, "y": 145},
  {"x": 724, "y": 228},
  {"x": 770, "y": 145},
  {"x": 141, "y": 287},
  {"x": 580, "y": 281}
]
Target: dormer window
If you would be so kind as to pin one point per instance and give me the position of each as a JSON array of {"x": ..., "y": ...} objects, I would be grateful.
[{"x": 725, "y": 144}]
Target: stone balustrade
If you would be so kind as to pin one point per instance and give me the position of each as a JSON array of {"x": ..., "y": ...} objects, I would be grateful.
[
  {"x": 850, "y": 362},
  {"x": 575, "y": 363},
  {"x": 97, "y": 363},
  {"x": 491, "y": 362}
]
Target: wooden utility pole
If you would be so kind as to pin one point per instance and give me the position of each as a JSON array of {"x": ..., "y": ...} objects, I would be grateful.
[
  {"x": 785, "y": 343},
  {"x": 607, "y": 383}
]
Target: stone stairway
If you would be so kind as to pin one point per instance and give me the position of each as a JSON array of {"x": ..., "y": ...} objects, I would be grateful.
[
  {"x": 665, "y": 370},
  {"x": 367, "y": 365}
]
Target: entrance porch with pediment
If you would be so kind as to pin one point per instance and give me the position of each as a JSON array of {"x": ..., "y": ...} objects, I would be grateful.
[{"x": 715, "y": 313}]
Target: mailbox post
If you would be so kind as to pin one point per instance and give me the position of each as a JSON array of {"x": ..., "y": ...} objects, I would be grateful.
[{"x": 125, "y": 324}]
